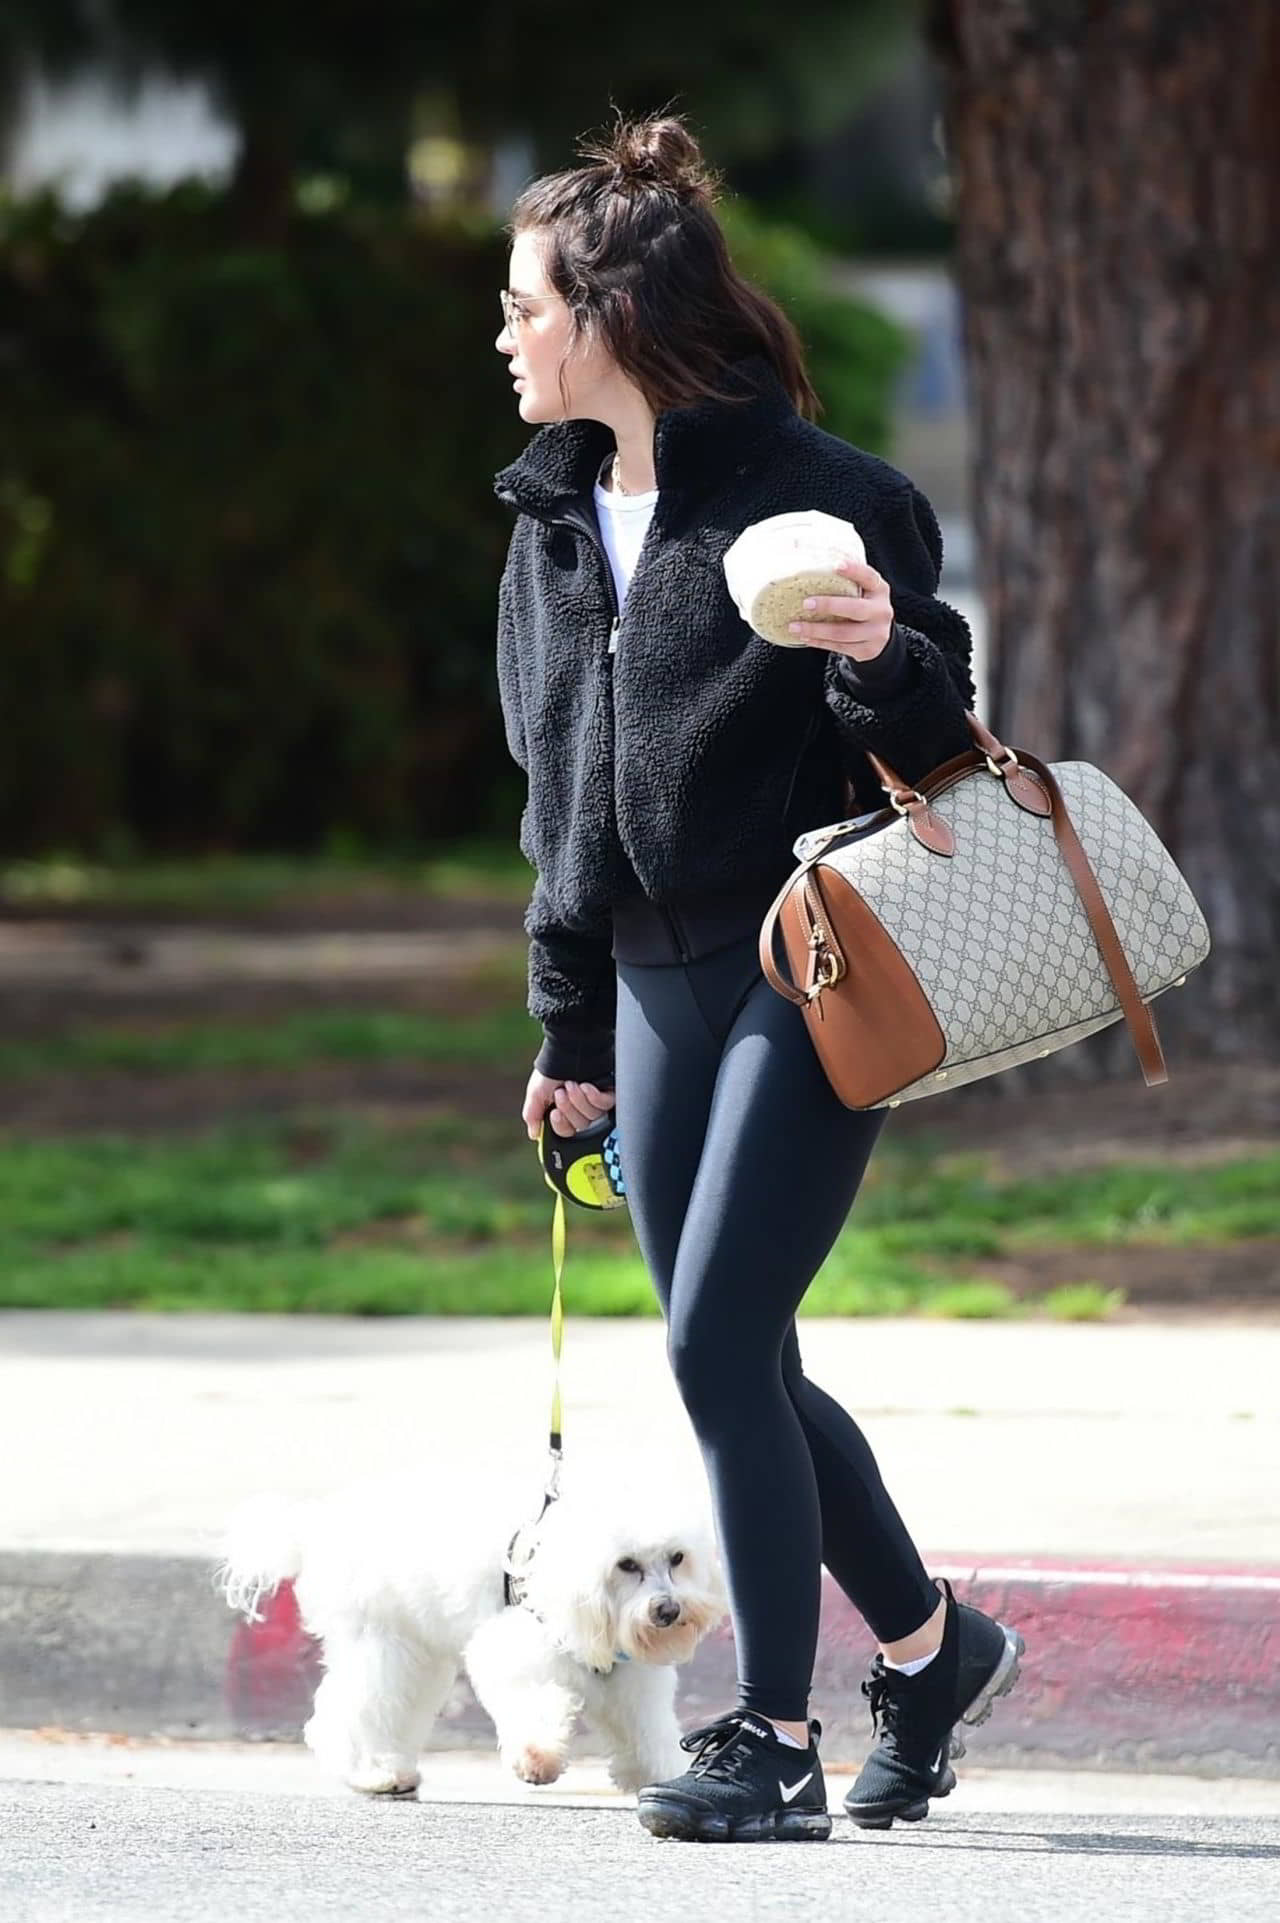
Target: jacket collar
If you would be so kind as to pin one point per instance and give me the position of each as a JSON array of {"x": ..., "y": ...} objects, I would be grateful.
[{"x": 694, "y": 447}]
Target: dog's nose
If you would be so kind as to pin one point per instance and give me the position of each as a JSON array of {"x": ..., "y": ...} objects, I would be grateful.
[{"x": 665, "y": 1612}]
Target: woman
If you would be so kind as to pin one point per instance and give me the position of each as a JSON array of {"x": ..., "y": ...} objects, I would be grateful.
[{"x": 673, "y": 758}]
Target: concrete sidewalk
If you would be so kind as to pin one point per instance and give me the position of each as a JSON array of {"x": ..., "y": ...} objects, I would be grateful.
[{"x": 1112, "y": 1489}]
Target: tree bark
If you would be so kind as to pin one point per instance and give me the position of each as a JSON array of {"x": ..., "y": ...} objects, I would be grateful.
[
  {"x": 1115, "y": 175},
  {"x": 263, "y": 179}
]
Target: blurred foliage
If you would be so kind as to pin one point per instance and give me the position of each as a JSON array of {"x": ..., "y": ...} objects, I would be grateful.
[
  {"x": 336, "y": 88},
  {"x": 855, "y": 352},
  {"x": 247, "y": 535},
  {"x": 883, "y": 225},
  {"x": 249, "y": 548}
]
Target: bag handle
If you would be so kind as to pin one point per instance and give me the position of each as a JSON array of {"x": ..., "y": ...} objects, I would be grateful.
[{"x": 1004, "y": 762}]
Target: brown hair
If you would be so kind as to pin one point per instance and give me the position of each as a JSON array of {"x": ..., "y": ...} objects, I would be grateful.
[{"x": 632, "y": 244}]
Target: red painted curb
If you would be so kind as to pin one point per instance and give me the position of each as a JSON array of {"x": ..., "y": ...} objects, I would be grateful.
[
  {"x": 1170, "y": 1667},
  {"x": 273, "y": 1668}
]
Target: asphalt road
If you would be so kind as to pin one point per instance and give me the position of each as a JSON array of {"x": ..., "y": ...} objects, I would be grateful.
[{"x": 207, "y": 1833}]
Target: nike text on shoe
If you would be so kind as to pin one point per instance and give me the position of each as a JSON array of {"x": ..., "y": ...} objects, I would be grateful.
[
  {"x": 744, "y": 1786},
  {"x": 915, "y": 1716}
]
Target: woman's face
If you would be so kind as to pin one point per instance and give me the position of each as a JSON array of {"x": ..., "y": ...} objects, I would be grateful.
[{"x": 538, "y": 334}]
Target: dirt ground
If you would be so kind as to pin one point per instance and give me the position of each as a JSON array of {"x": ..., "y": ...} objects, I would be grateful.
[{"x": 63, "y": 972}]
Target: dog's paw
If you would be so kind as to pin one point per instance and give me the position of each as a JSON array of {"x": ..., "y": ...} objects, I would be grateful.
[
  {"x": 631, "y": 1776},
  {"x": 383, "y": 1779},
  {"x": 534, "y": 1765}
]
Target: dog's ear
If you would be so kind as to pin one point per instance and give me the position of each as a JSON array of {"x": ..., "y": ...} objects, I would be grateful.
[
  {"x": 568, "y": 1588},
  {"x": 590, "y": 1627}
]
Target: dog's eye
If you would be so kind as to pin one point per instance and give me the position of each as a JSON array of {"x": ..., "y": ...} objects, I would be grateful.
[
  {"x": 631, "y": 1566},
  {"x": 678, "y": 1557}
]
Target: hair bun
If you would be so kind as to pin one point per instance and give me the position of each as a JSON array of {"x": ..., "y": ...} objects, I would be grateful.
[{"x": 658, "y": 151}]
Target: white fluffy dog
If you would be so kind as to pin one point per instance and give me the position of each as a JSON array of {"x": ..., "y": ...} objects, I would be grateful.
[{"x": 403, "y": 1584}]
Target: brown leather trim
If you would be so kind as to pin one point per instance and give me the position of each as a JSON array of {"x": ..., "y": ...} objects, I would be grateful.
[
  {"x": 939, "y": 779},
  {"x": 789, "y": 901},
  {"x": 1142, "y": 1028},
  {"x": 874, "y": 1029}
]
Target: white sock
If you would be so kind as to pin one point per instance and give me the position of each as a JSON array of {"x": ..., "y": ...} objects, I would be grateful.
[
  {"x": 914, "y": 1667},
  {"x": 784, "y": 1737}
]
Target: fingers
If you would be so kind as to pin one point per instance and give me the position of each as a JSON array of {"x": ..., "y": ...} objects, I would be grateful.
[
  {"x": 868, "y": 579},
  {"x": 874, "y": 609},
  {"x": 842, "y": 608},
  {"x": 537, "y": 1104},
  {"x": 572, "y": 1106},
  {"x": 825, "y": 631},
  {"x": 578, "y": 1104}
]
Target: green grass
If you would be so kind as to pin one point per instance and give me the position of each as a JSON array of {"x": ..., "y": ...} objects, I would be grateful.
[
  {"x": 492, "y": 1040},
  {"x": 1081, "y": 1302},
  {"x": 972, "y": 1301},
  {"x": 450, "y": 1216},
  {"x": 962, "y": 1208},
  {"x": 481, "y": 866},
  {"x": 954, "y": 1209},
  {"x": 327, "y": 1215}
]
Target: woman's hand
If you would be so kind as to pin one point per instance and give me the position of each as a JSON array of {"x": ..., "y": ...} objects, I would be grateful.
[
  {"x": 857, "y": 624},
  {"x": 567, "y": 1106}
]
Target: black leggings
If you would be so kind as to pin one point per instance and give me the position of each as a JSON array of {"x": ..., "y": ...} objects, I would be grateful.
[{"x": 741, "y": 1166}]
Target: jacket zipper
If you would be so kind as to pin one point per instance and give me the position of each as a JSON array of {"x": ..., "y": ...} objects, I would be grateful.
[
  {"x": 584, "y": 526},
  {"x": 791, "y": 785},
  {"x": 677, "y": 933}
]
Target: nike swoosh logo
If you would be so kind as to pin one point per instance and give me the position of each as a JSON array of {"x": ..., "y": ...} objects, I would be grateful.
[{"x": 795, "y": 1789}]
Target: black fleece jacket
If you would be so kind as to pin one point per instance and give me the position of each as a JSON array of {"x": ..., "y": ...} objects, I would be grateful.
[{"x": 674, "y": 751}]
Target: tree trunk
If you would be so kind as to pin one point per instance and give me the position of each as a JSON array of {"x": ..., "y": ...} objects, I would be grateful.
[
  {"x": 1115, "y": 180},
  {"x": 262, "y": 183}
]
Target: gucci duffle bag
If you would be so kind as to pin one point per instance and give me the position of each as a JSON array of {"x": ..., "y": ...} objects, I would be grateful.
[{"x": 1001, "y": 909}]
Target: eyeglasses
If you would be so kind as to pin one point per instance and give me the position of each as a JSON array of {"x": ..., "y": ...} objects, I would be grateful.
[{"x": 513, "y": 308}]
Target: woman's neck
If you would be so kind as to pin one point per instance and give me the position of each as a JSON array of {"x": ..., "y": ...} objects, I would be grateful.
[
  {"x": 633, "y": 435},
  {"x": 626, "y": 479}
]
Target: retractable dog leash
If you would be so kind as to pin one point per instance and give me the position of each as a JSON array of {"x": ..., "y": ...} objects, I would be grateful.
[{"x": 584, "y": 1168}]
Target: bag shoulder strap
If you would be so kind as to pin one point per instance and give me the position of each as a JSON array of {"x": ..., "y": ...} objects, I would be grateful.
[{"x": 1142, "y": 1029}]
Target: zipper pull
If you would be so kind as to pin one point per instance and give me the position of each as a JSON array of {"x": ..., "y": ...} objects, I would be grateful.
[{"x": 613, "y": 635}]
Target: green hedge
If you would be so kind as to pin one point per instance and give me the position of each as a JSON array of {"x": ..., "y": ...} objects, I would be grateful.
[{"x": 248, "y": 543}]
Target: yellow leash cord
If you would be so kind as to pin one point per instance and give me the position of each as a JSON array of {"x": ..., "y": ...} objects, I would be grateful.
[
  {"x": 511, "y": 1575},
  {"x": 593, "y": 1178},
  {"x": 557, "y": 1331}
]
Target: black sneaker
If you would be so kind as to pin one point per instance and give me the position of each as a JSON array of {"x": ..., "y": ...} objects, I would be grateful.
[
  {"x": 745, "y": 1786},
  {"x": 916, "y": 1715}
]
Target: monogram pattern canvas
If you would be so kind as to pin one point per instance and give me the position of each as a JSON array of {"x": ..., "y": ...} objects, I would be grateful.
[{"x": 997, "y": 934}]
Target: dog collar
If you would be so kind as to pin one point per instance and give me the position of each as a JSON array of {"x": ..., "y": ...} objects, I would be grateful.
[{"x": 619, "y": 1655}]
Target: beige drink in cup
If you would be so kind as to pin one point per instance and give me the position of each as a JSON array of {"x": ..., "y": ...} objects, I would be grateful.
[{"x": 775, "y": 564}]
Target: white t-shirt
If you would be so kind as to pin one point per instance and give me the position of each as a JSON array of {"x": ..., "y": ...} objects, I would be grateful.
[{"x": 623, "y": 520}]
